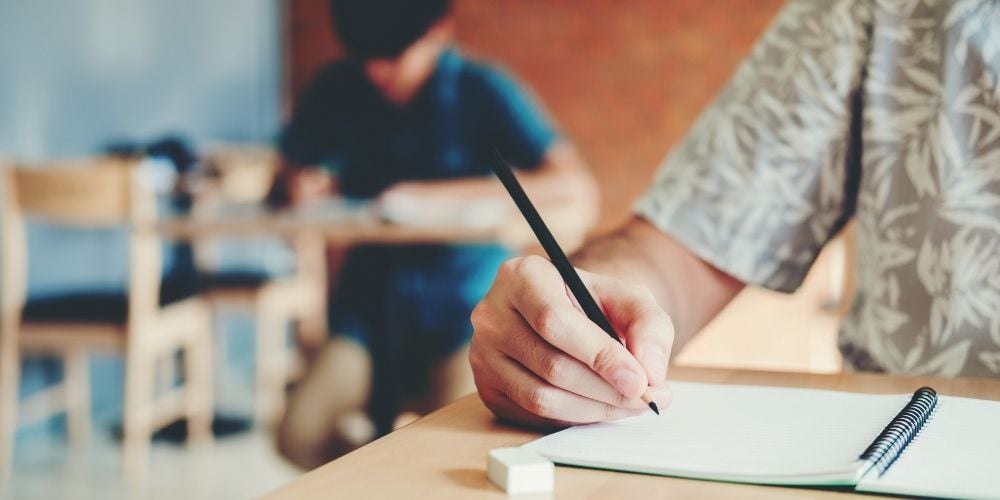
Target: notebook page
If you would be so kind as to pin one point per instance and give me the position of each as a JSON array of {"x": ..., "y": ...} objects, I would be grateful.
[
  {"x": 735, "y": 433},
  {"x": 957, "y": 454}
]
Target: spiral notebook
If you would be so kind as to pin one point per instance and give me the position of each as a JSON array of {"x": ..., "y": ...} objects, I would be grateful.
[{"x": 914, "y": 444}]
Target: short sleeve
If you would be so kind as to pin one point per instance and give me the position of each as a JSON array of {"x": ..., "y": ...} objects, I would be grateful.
[
  {"x": 768, "y": 173},
  {"x": 305, "y": 139},
  {"x": 517, "y": 123}
]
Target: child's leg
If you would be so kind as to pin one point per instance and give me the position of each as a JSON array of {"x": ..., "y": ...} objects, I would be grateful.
[
  {"x": 326, "y": 404},
  {"x": 450, "y": 379}
]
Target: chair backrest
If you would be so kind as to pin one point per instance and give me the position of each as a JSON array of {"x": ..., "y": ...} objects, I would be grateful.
[
  {"x": 88, "y": 193},
  {"x": 93, "y": 193}
]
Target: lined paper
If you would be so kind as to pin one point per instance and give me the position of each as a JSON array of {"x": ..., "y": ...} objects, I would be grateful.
[{"x": 736, "y": 433}]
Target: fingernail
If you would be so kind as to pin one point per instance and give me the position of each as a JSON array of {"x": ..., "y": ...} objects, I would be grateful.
[
  {"x": 626, "y": 381},
  {"x": 655, "y": 362}
]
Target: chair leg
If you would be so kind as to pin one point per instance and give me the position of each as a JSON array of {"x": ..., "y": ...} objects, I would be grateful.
[
  {"x": 10, "y": 371},
  {"x": 198, "y": 365},
  {"x": 77, "y": 383},
  {"x": 137, "y": 418}
]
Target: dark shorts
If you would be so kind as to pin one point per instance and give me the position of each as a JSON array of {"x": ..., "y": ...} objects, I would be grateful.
[{"x": 410, "y": 307}]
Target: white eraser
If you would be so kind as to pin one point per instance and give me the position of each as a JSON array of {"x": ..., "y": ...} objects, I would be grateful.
[{"x": 520, "y": 471}]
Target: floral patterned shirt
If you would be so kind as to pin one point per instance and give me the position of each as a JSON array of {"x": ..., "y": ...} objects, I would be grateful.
[{"x": 885, "y": 111}]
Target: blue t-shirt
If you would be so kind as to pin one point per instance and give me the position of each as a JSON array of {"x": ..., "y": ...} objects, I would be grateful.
[
  {"x": 447, "y": 131},
  {"x": 411, "y": 304}
]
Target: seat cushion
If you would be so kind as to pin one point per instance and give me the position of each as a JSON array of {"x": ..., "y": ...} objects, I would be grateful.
[
  {"x": 236, "y": 279},
  {"x": 100, "y": 306}
]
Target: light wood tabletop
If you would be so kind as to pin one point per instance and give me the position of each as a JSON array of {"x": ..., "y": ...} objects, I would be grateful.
[
  {"x": 337, "y": 229},
  {"x": 342, "y": 225},
  {"x": 443, "y": 455}
]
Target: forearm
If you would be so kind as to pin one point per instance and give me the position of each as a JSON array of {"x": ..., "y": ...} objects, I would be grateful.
[
  {"x": 295, "y": 184},
  {"x": 562, "y": 176},
  {"x": 689, "y": 289}
]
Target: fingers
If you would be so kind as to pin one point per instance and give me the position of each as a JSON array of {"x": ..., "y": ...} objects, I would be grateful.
[
  {"x": 558, "y": 368},
  {"x": 573, "y": 395},
  {"x": 645, "y": 327},
  {"x": 537, "y": 359},
  {"x": 543, "y": 303},
  {"x": 309, "y": 185},
  {"x": 549, "y": 402}
]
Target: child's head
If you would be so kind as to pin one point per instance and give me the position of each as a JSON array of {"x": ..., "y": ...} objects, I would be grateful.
[{"x": 398, "y": 41}]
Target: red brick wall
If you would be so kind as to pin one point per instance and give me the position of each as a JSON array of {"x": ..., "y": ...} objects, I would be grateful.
[{"x": 624, "y": 78}]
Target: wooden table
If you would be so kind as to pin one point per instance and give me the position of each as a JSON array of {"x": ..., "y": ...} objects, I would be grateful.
[
  {"x": 443, "y": 455},
  {"x": 340, "y": 226}
]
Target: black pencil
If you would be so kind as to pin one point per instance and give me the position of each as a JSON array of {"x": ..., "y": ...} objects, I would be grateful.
[{"x": 556, "y": 254}]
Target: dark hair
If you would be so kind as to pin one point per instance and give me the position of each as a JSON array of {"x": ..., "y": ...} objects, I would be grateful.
[{"x": 383, "y": 28}]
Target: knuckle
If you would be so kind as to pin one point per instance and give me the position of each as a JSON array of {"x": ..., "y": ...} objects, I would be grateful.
[
  {"x": 620, "y": 401},
  {"x": 508, "y": 269},
  {"x": 540, "y": 402},
  {"x": 659, "y": 325},
  {"x": 549, "y": 323},
  {"x": 528, "y": 264},
  {"x": 604, "y": 359},
  {"x": 476, "y": 341},
  {"x": 480, "y": 316},
  {"x": 641, "y": 298},
  {"x": 553, "y": 369},
  {"x": 652, "y": 322},
  {"x": 475, "y": 359}
]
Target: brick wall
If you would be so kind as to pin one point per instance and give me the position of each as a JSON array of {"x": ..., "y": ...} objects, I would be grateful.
[{"x": 624, "y": 78}]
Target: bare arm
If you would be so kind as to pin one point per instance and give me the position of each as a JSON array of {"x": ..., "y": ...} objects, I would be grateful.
[
  {"x": 561, "y": 178},
  {"x": 689, "y": 289}
]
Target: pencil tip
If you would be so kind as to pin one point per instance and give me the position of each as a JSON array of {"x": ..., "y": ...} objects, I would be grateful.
[{"x": 652, "y": 406}]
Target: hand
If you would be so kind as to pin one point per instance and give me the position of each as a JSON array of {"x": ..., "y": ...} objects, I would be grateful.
[
  {"x": 537, "y": 359},
  {"x": 307, "y": 185}
]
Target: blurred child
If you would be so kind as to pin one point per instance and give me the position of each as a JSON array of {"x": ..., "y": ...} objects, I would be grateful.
[{"x": 407, "y": 115}]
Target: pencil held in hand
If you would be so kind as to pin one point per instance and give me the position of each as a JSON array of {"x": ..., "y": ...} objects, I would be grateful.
[{"x": 556, "y": 254}]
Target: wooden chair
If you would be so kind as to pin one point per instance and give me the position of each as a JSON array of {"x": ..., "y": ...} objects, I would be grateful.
[
  {"x": 243, "y": 175},
  {"x": 139, "y": 323}
]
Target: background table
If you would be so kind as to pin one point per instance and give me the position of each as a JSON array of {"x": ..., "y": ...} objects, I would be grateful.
[
  {"x": 339, "y": 224},
  {"x": 443, "y": 455}
]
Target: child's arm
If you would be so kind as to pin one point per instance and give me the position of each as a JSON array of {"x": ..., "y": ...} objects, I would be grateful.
[
  {"x": 295, "y": 185},
  {"x": 562, "y": 178},
  {"x": 305, "y": 141}
]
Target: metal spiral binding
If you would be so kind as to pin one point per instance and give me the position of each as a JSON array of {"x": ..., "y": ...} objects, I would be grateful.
[{"x": 901, "y": 431}]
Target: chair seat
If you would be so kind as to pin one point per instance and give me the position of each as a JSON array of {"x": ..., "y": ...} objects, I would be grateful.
[
  {"x": 236, "y": 279},
  {"x": 98, "y": 307}
]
